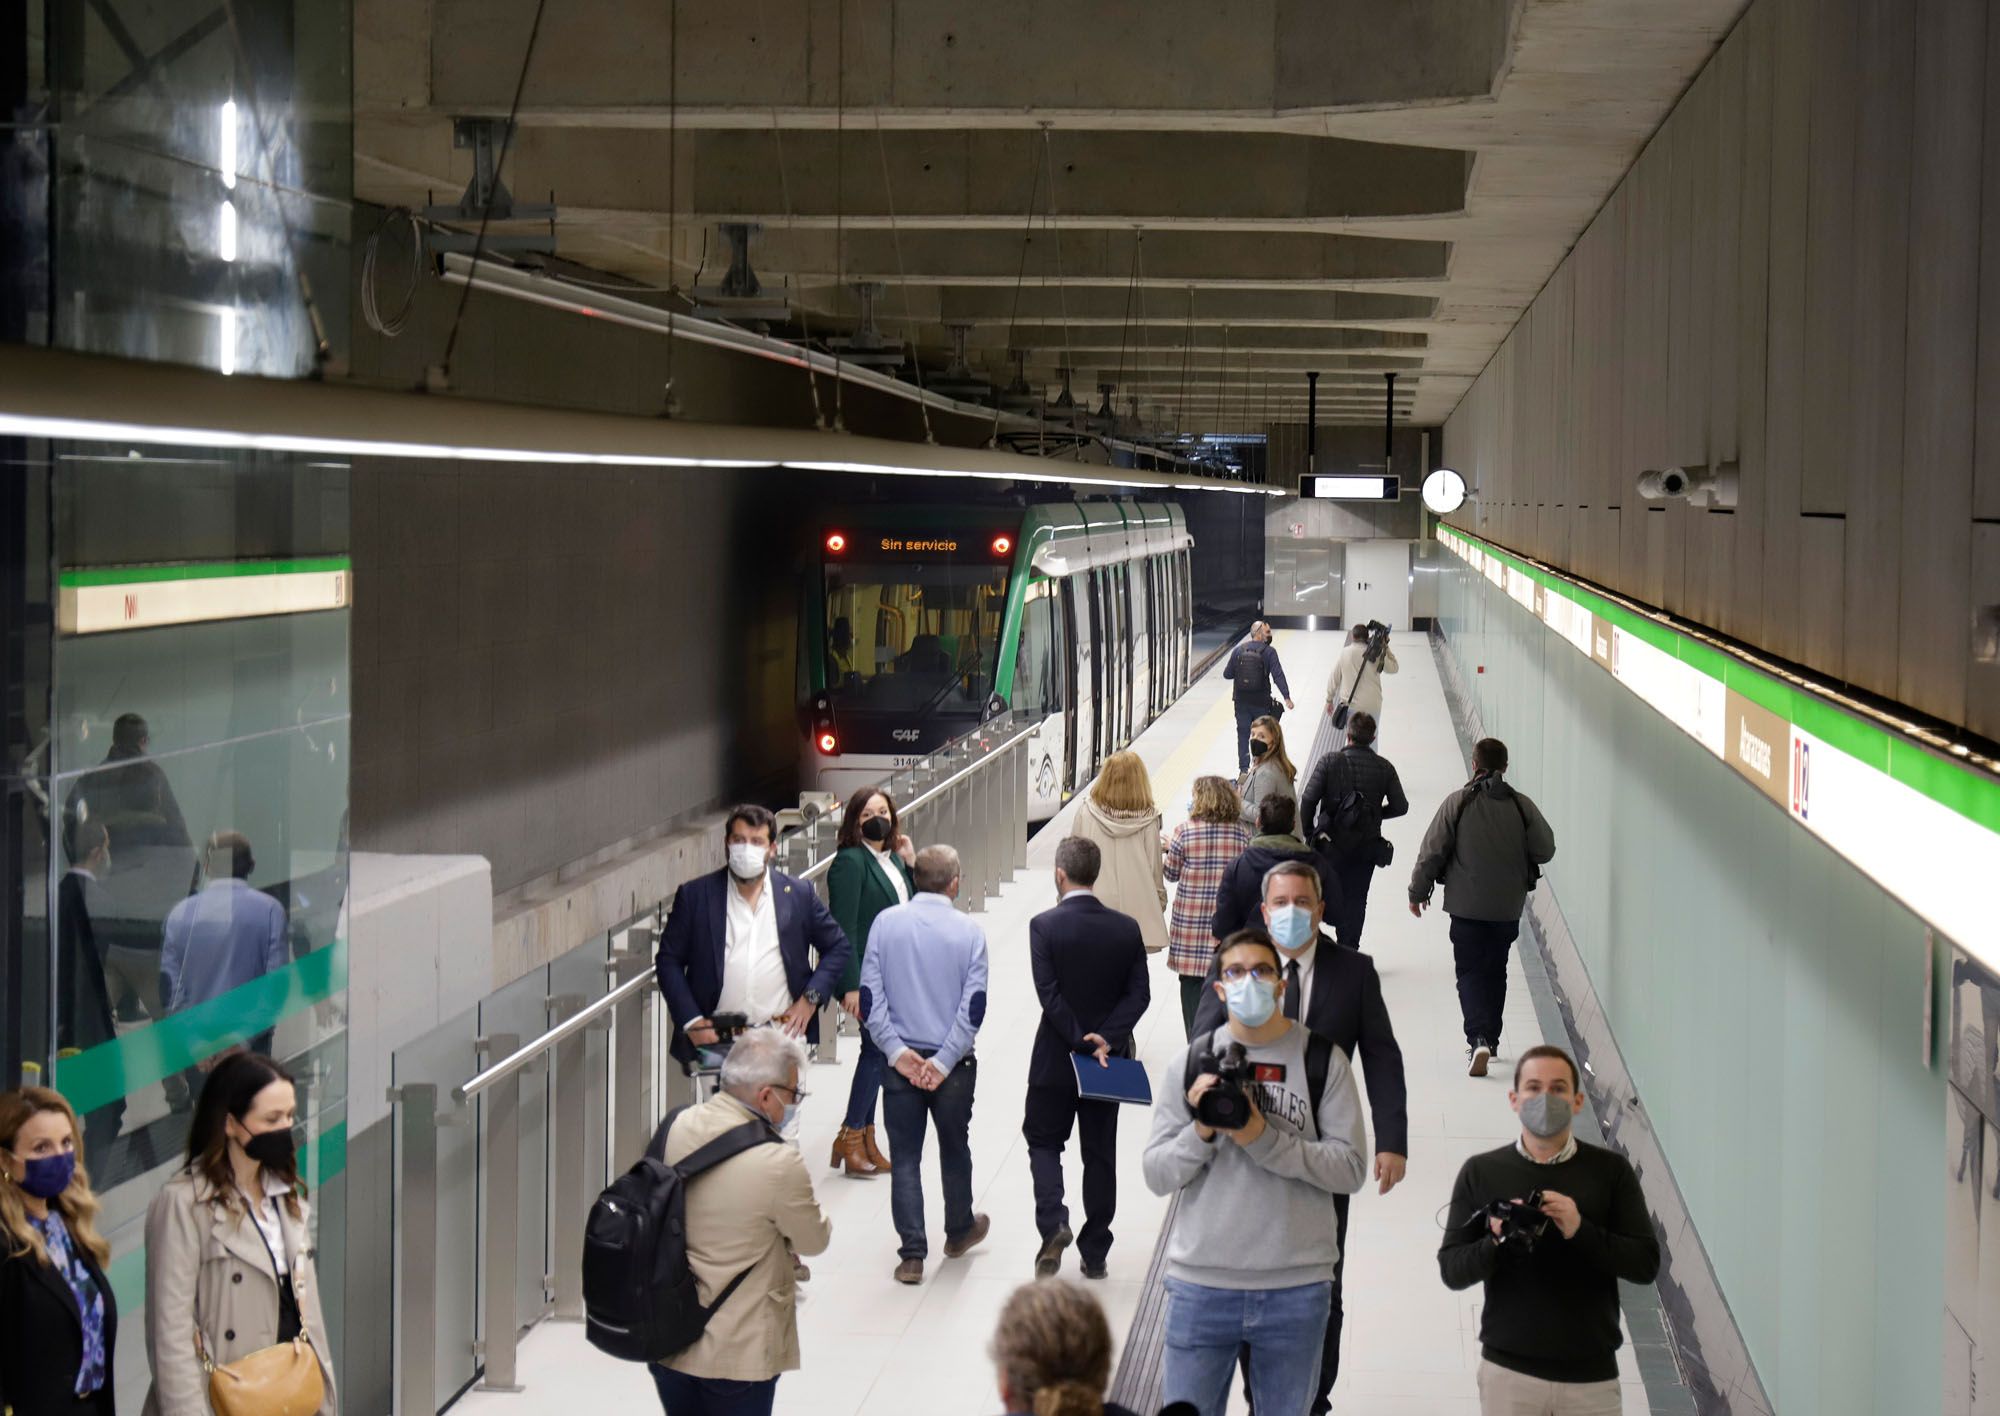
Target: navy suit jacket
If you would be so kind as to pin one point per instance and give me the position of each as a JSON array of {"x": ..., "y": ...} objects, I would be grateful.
[
  {"x": 1346, "y": 1009},
  {"x": 689, "y": 964},
  {"x": 1090, "y": 973}
]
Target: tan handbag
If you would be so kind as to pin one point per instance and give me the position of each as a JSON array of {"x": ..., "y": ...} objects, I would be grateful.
[{"x": 280, "y": 1380}]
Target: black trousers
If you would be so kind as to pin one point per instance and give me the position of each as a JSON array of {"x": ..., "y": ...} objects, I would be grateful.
[
  {"x": 1046, "y": 1128},
  {"x": 1248, "y": 711},
  {"x": 1479, "y": 948},
  {"x": 1355, "y": 870},
  {"x": 1329, "y": 1353}
]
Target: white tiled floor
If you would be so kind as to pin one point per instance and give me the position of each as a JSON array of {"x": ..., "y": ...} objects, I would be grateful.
[{"x": 873, "y": 1348}]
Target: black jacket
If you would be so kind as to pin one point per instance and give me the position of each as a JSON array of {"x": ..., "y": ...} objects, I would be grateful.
[
  {"x": 41, "y": 1338},
  {"x": 1239, "y": 903},
  {"x": 1090, "y": 973},
  {"x": 1346, "y": 1009},
  {"x": 1358, "y": 769}
]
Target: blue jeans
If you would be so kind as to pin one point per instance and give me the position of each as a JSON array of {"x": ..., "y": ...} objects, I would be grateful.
[
  {"x": 1282, "y": 1328},
  {"x": 905, "y": 1111},
  {"x": 683, "y": 1395},
  {"x": 867, "y": 1085}
]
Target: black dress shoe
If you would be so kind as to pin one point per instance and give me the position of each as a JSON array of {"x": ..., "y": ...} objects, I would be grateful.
[
  {"x": 1048, "y": 1258},
  {"x": 1096, "y": 1271}
]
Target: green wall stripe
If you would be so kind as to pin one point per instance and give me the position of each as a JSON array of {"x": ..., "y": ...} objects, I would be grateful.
[
  {"x": 321, "y": 1158},
  {"x": 1958, "y": 787},
  {"x": 117, "y": 1068},
  {"x": 211, "y": 570}
]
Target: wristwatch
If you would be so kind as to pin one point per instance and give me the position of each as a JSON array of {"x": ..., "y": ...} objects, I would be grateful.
[{"x": 814, "y": 997}]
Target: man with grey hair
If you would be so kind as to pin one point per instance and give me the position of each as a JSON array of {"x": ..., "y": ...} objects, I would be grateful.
[
  {"x": 1253, "y": 667},
  {"x": 745, "y": 1219},
  {"x": 923, "y": 997}
]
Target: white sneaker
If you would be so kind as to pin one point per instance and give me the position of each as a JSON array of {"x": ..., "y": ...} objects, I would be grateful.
[{"x": 1480, "y": 1054}]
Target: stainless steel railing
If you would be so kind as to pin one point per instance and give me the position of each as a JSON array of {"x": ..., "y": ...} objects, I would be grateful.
[{"x": 971, "y": 793}]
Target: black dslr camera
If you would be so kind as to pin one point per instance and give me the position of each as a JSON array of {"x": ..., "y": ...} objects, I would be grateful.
[
  {"x": 1521, "y": 1221},
  {"x": 1378, "y": 642},
  {"x": 1226, "y": 1105}
]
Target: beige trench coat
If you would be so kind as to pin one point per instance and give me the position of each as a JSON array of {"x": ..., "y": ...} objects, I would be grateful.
[
  {"x": 207, "y": 1259},
  {"x": 740, "y": 1215}
]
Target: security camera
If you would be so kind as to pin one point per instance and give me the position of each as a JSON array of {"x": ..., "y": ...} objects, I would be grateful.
[{"x": 1701, "y": 486}]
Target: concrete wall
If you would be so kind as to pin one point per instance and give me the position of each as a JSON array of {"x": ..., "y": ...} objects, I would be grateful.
[{"x": 1801, "y": 276}]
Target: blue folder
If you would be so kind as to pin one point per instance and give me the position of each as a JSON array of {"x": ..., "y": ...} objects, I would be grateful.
[{"x": 1123, "y": 1080}]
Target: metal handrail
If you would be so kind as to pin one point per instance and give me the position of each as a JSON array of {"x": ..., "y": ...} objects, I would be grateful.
[{"x": 569, "y": 1027}]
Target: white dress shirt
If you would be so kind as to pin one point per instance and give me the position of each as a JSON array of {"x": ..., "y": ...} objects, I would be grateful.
[
  {"x": 895, "y": 875},
  {"x": 753, "y": 970}
]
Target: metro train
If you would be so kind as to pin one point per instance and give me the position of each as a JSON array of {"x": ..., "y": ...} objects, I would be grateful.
[{"x": 916, "y": 624}]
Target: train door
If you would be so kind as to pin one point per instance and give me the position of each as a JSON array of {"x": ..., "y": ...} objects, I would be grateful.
[
  {"x": 1120, "y": 632},
  {"x": 1082, "y": 690},
  {"x": 1184, "y": 606},
  {"x": 1133, "y": 583}
]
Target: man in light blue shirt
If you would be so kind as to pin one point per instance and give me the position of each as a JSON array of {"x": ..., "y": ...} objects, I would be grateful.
[
  {"x": 923, "y": 997},
  {"x": 224, "y": 936}
]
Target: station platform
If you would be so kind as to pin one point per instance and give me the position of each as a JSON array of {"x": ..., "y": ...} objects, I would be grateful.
[{"x": 874, "y": 1348}]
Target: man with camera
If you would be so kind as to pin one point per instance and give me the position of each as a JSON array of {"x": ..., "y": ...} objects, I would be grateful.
[
  {"x": 1549, "y": 1224},
  {"x": 1253, "y": 666},
  {"x": 1488, "y": 844},
  {"x": 1356, "y": 681},
  {"x": 1256, "y": 1126},
  {"x": 1338, "y": 994},
  {"x": 1349, "y": 795}
]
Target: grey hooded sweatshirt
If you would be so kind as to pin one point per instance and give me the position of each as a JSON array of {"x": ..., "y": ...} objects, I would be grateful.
[{"x": 1486, "y": 844}]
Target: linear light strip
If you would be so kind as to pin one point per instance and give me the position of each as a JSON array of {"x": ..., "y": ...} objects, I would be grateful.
[{"x": 93, "y": 430}]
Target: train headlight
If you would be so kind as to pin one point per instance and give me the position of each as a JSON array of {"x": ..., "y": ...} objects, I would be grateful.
[
  {"x": 836, "y": 541},
  {"x": 829, "y": 744}
]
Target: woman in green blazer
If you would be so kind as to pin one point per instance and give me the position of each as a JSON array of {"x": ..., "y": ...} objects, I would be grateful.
[{"x": 871, "y": 873}]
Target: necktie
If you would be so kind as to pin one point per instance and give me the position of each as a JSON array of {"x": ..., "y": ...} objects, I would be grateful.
[{"x": 1292, "y": 990}]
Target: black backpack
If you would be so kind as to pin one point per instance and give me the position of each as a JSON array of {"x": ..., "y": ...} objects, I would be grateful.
[
  {"x": 1253, "y": 675},
  {"x": 640, "y": 1301},
  {"x": 1357, "y": 822},
  {"x": 1319, "y": 1055}
]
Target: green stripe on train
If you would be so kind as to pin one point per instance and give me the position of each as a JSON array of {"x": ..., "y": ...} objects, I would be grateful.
[
  {"x": 209, "y": 570},
  {"x": 120, "y": 1067}
]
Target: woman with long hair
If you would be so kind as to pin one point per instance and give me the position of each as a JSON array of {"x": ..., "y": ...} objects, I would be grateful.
[
  {"x": 1052, "y": 1352},
  {"x": 1271, "y": 771},
  {"x": 870, "y": 873},
  {"x": 229, "y": 1253},
  {"x": 1120, "y": 817},
  {"x": 58, "y": 1318},
  {"x": 1199, "y": 854}
]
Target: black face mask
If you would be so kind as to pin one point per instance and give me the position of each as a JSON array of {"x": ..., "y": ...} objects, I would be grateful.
[
  {"x": 1258, "y": 747},
  {"x": 876, "y": 829},
  {"x": 273, "y": 1150}
]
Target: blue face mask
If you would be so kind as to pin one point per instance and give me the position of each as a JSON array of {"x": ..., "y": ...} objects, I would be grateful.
[
  {"x": 791, "y": 1115},
  {"x": 48, "y": 1175},
  {"x": 1251, "y": 1001},
  {"x": 1291, "y": 926}
]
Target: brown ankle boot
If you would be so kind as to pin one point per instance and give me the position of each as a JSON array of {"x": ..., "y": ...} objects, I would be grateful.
[
  {"x": 874, "y": 1154},
  {"x": 851, "y": 1155}
]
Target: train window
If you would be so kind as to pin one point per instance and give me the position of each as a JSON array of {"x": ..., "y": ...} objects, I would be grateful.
[
  {"x": 913, "y": 636},
  {"x": 1035, "y": 685}
]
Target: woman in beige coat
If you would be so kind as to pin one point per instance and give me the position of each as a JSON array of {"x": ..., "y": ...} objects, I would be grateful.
[
  {"x": 1120, "y": 817},
  {"x": 228, "y": 1249}
]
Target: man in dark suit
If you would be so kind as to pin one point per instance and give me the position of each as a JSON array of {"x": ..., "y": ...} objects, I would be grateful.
[
  {"x": 83, "y": 997},
  {"x": 1342, "y": 1002},
  {"x": 748, "y": 939},
  {"x": 1090, "y": 973}
]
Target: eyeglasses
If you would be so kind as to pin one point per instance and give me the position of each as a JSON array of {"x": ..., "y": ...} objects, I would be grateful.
[
  {"x": 1263, "y": 973},
  {"x": 799, "y": 1094}
]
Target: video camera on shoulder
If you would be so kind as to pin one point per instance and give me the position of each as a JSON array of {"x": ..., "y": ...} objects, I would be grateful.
[
  {"x": 1521, "y": 1221},
  {"x": 1226, "y": 1106},
  {"x": 1378, "y": 642}
]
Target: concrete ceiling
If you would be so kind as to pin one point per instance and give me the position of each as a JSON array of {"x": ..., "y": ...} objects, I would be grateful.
[{"x": 1196, "y": 202}]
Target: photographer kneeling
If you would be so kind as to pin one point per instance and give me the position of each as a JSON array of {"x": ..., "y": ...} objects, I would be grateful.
[
  {"x": 1259, "y": 1125},
  {"x": 1550, "y": 1225}
]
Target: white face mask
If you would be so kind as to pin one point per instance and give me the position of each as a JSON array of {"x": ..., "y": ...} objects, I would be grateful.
[{"x": 746, "y": 861}]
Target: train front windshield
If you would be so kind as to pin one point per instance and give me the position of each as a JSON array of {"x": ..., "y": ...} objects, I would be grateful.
[{"x": 913, "y": 638}]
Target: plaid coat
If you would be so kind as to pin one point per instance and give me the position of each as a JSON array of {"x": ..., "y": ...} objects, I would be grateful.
[{"x": 1199, "y": 854}]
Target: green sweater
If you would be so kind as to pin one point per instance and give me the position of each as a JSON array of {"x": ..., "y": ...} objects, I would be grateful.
[{"x": 1551, "y": 1312}]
